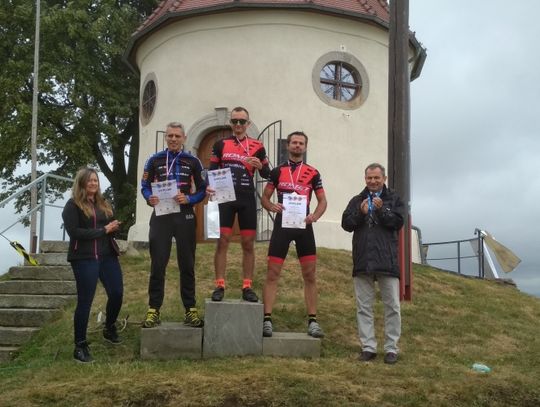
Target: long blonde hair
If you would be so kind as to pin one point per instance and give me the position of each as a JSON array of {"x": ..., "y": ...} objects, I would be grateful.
[{"x": 78, "y": 193}]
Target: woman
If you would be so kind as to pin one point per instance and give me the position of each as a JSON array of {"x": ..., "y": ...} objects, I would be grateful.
[{"x": 93, "y": 253}]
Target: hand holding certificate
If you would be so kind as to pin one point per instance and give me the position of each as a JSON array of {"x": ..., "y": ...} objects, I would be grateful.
[
  {"x": 294, "y": 211},
  {"x": 221, "y": 182},
  {"x": 166, "y": 192}
]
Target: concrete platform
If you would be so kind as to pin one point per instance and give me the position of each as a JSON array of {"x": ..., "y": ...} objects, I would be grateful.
[
  {"x": 41, "y": 273},
  {"x": 232, "y": 328},
  {"x": 15, "y": 335},
  {"x": 292, "y": 344},
  {"x": 38, "y": 287},
  {"x": 171, "y": 340}
]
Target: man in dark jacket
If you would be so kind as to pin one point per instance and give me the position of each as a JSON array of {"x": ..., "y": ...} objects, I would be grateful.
[
  {"x": 375, "y": 216},
  {"x": 172, "y": 217}
]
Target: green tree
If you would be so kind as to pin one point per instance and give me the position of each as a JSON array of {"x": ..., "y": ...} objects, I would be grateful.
[{"x": 88, "y": 97}]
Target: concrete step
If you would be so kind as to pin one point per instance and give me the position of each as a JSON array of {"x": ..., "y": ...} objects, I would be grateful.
[
  {"x": 41, "y": 273},
  {"x": 7, "y": 353},
  {"x": 54, "y": 246},
  {"x": 51, "y": 259},
  {"x": 15, "y": 335},
  {"x": 292, "y": 344},
  {"x": 171, "y": 340},
  {"x": 37, "y": 287},
  {"x": 34, "y": 301},
  {"x": 232, "y": 328},
  {"x": 25, "y": 317}
]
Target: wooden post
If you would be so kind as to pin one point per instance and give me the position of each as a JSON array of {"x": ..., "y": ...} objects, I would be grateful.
[{"x": 399, "y": 129}]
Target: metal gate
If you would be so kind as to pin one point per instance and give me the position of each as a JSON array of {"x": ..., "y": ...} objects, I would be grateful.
[{"x": 275, "y": 150}]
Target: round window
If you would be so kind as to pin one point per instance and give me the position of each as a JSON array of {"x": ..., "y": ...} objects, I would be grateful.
[{"x": 149, "y": 98}]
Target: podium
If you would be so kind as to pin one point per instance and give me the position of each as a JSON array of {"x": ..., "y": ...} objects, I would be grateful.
[{"x": 231, "y": 328}]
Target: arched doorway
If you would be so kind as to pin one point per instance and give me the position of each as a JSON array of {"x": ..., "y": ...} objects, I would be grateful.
[{"x": 203, "y": 153}]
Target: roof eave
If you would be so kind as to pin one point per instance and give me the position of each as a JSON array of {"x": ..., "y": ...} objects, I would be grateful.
[{"x": 168, "y": 18}]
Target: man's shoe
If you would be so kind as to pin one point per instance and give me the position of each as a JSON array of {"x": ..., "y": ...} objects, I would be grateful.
[
  {"x": 110, "y": 334},
  {"x": 81, "y": 353},
  {"x": 249, "y": 295},
  {"x": 390, "y": 358},
  {"x": 192, "y": 318},
  {"x": 315, "y": 330},
  {"x": 267, "y": 329},
  {"x": 218, "y": 294},
  {"x": 152, "y": 318},
  {"x": 366, "y": 356}
]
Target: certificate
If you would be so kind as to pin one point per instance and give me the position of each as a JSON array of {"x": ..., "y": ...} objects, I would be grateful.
[
  {"x": 166, "y": 192},
  {"x": 294, "y": 211},
  {"x": 221, "y": 182}
]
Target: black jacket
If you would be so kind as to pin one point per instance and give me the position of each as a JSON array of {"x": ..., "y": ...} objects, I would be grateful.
[
  {"x": 375, "y": 238},
  {"x": 87, "y": 237}
]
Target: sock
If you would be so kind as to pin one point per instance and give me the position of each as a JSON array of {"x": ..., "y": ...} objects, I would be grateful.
[
  {"x": 312, "y": 318},
  {"x": 220, "y": 282},
  {"x": 268, "y": 317},
  {"x": 246, "y": 283}
]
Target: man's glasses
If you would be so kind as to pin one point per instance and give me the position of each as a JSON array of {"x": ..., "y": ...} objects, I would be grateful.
[
  {"x": 239, "y": 121},
  {"x": 174, "y": 136}
]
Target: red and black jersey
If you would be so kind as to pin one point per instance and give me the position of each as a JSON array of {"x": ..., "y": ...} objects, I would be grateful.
[
  {"x": 292, "y": 177},
  {"x": 231, "y": 152}
]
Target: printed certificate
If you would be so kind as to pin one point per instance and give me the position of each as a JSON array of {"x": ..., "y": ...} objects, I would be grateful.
[
  {"x": 166, "y": 192},
  {"x": 221, "y": 182},
  {"x": 294, "y": 211}
]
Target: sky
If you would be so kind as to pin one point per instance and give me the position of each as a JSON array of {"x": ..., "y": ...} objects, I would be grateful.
[{"x": 475, "y": 129}]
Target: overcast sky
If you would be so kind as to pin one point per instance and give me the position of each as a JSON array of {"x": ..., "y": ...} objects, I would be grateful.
[{"x": 475, "y": 132}]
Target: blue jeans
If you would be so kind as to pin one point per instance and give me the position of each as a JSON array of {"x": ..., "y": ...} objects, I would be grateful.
[{"x": 87, "y": 273}]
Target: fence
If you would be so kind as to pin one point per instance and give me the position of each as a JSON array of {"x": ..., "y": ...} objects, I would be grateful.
[
  {"x": 41, "y": 185},
  {"x": 460, "y": 255}
]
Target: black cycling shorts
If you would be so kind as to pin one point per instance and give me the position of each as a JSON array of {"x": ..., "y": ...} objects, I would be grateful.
[
  {"x": 282, "y": 238},
  {"x": 246, "y": 208}
]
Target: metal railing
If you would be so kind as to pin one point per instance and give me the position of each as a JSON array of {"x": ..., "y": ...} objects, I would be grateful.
[
  {"x": 40, "y": 184},
  {"x": 478, "y": 253}
]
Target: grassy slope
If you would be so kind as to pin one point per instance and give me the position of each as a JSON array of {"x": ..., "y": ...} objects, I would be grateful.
[{"x": 452, "y": 323}]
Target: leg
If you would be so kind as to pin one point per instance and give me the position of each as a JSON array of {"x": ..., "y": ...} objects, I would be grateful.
[
  {"x": 364, "y": 287},
  {"x": 227, "y": 213},
  {"x": 160, "y": 239},
  {"x": 86, "y": 276},
  {"x": 220, "y": 257},
  {"x": 270, "y": 285},
  {"x": 307, "y": 254},
  {"x": 110, "y": 275},
  {"x": 186, "y": 245},
  {"x": 247, "y": 221},
  {"x": 389, "y": 287},
  {"x": 310, "y": 286},
  {"x": 248, "y": 255}
]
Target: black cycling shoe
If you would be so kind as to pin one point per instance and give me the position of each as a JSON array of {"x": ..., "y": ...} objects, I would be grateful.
[
  {"x": 249, "y": 295},
  {"x": 218, "y": 294}
]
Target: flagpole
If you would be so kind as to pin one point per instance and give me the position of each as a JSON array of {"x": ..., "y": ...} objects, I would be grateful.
[{"x": 33, "y": 143}]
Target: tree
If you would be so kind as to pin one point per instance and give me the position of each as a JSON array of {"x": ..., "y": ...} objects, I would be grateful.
[{"x": 88, "y": 99}]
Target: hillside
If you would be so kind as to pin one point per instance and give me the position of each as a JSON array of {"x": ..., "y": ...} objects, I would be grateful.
[{"x": 451, "y": 323}]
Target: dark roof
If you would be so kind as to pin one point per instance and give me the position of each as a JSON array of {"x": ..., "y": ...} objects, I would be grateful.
[
  {"x": 374, "y": 8},
  {"x": 371, "y": 11}
]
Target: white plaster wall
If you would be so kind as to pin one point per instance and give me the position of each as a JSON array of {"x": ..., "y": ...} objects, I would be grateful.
[{"x": 263, "y": 60}]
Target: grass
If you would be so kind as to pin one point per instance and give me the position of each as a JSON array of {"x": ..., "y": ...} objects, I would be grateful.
[{"x": 451, "y": 323}]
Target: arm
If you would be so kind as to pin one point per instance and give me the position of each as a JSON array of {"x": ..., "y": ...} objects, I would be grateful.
[
  {"x": 392, "y": 213},
  {"x": 265, "y": 200},
  {"x": 320, "y": 209},
  {"x": 352, "y": 217},
  {"x": 74, "y": 229},
  {"x": 264, "y": 169},
  {"x": 146, "y": 181},
  {"x": 200, "y": 184},
  {"x": 215, "y": 157}
]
